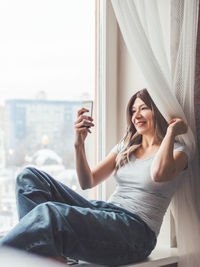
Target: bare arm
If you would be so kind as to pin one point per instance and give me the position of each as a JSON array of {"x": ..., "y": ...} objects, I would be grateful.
[
  {"x": 104, "y": 169},
  {"x": 167, "y": 164},
  {"x": 88, "y": 178}
]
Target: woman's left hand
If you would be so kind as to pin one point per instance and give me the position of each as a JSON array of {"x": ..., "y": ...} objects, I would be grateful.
[{"x": 177, "y": 126}]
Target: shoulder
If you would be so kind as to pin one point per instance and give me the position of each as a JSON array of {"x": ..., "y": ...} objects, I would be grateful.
[
  {"x": 117, "y": 148},
  {"x": 181, "y": 156},
  {"x": 179, "y": 147}
]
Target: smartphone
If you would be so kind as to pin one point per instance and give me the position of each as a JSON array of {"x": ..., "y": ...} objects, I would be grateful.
[{"x": 88, "y": 105}]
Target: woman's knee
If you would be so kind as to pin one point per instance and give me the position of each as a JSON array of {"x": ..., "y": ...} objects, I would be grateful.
[
  {"x": 47, "y": 212},
  {"x": 26, "y": 174}
]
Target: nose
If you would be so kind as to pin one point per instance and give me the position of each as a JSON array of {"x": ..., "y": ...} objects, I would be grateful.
[{"x": 137, "y": 114}]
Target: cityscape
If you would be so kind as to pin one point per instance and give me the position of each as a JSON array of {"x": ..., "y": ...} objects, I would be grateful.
[
  {"x": 47, "y": 69},
  {"x": 39, "y": 133}
]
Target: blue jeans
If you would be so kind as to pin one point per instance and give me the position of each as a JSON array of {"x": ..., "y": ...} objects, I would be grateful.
[{"x": 56, "y": 221}]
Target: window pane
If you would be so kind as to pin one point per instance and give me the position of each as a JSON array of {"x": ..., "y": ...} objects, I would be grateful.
[{"x": 47, "y": 54}]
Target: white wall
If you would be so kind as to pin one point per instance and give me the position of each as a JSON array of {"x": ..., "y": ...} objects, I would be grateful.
[{"x": 130, "y": 80}]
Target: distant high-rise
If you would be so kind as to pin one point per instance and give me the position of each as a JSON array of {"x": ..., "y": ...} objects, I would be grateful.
[{"x": 30, "y": 125}]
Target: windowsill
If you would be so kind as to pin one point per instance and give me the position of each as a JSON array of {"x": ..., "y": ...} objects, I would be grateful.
[{"x": 160, "y": 257}]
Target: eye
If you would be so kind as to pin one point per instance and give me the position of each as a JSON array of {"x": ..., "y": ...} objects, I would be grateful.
[
  {"x": 144, "y": 108},
  {"x": 133, "y": 111}
]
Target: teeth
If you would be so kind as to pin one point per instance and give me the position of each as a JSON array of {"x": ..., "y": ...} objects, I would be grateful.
[{"x": 140, "y": 123}]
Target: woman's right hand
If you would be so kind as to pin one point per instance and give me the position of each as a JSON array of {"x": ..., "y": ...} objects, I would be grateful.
[{"x": 82, "y": 126}]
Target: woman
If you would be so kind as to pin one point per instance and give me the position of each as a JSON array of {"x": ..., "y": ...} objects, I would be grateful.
[{"x": 148, "y": 165}]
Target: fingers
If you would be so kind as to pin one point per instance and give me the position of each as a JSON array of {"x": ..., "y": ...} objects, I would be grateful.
[
  {"x": 171, "y": 121},
  {"x": 83, "y": 123},
  {"x": 176, "y": 120},
  {"x": 81, "y": 111},
  {"x": 83, "y": 120},
  {"x": 178, "y": 125},
  {"x": 83, "y": 117}
]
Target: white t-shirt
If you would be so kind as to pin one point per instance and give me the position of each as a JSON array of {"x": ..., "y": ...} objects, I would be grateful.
[{"x": 139, "y": 194}]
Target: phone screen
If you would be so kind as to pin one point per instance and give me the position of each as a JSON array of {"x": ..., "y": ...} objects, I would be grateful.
[{"x": 88, "y": 105}]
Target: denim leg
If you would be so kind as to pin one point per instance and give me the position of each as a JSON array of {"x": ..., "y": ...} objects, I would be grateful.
[
  {"x": 98, "y": 236},
  {"x": 56, "y": 221},
  {"x": 34, "y": 187}
]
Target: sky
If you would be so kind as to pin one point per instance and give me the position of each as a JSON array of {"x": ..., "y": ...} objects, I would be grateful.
[{"x": 46, "y": 45}]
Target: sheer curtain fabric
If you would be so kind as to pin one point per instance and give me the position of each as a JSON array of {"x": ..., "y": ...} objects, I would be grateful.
[{"x": 169, "y": 70}]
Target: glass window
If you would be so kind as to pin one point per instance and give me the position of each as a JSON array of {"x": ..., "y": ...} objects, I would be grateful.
[{"x": 47, "y": 67}]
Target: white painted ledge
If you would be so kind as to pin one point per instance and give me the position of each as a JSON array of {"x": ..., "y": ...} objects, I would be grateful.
[
  {"x": 159, "y": 257},
  {"x": 10, "y": 257}
]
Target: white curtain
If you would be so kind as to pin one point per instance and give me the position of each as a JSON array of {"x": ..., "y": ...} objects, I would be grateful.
[{"x": 169, "y": 72}]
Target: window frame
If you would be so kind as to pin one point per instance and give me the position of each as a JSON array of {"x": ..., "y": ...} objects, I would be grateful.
[{"x": 106, "y": 80}]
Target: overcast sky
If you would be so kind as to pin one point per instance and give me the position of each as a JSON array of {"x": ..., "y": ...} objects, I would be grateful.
[{"x": 46, "y": 45}]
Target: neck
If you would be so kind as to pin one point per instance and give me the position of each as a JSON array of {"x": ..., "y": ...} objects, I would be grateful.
[{"x": 149, "y": 141}]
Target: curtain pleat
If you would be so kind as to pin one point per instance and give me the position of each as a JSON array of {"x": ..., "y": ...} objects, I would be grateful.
[
  {"x": 172, "y": 89},
  {"x": 197, "y": 90}
]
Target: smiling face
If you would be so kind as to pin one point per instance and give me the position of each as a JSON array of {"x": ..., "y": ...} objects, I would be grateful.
[{"x": 142, "y": 117}]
